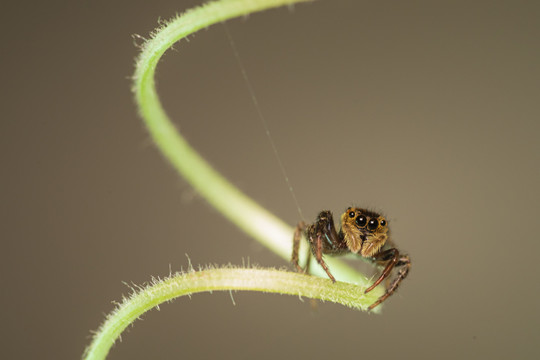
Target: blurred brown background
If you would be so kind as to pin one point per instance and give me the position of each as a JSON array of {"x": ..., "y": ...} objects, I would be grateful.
[{"x": 425, "y": 110}]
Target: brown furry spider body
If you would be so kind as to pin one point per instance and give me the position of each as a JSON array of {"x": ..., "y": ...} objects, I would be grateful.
[{"x": 362, "y": 232}]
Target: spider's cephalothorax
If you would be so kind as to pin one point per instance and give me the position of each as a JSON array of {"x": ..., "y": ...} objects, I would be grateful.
[{"x": 362, "y": 232}]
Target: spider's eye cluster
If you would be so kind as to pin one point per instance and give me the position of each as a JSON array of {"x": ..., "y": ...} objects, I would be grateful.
[
  {"x": 366, "y": 221},
  {"x": 361, "y": 220}
]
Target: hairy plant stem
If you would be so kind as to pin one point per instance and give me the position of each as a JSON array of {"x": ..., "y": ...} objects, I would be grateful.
[
  {"x": 265, "y": 280},
  {"x": 226, "y": 198}
]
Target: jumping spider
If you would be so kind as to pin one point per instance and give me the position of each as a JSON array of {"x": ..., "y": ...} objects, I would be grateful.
[{"x": 362, "y": 232}]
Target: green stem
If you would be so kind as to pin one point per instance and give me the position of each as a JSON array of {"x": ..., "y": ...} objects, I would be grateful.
[
  {"x": 265, "y": 280},
  {"x": 226, "y": 198}
]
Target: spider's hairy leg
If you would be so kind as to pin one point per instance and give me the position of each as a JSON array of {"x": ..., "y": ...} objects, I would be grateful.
[
  {"x": 318, "y": 250},
  {"x": 296, "y": 245},
  {"x": 390, "y": 255},
  {"x": 405, "y": 265}
]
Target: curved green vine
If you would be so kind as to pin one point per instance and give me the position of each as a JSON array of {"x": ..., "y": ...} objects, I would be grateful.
[
  {"x": 226, "y": 198},
  {"x": 265, "y": 280}
]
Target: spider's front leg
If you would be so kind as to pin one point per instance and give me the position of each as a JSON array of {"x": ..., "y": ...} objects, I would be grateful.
[
  {"x": 394, "y": 260},
  {"x": 317, "y": 249},
  {"x": 324, "y": 239},
  {"x": 391, "y": 256}
]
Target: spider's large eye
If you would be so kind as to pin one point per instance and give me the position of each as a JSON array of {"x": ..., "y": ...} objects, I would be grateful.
[
  {"x": 351, "y": 214},
  {"x": 361, "y": 220},
  {"x": 372, "y": 224}
]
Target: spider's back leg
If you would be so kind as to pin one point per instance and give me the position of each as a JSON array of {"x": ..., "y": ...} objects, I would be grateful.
[{"x": 299, "y": 230}]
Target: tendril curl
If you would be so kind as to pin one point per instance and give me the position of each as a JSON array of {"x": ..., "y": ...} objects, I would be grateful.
[{"x": 220, "y": 193}]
